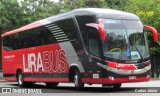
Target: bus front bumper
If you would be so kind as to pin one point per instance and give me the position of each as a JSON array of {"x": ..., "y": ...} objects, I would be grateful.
[
  {"x": 125, "y": 72},
  {"x": 112, "y": 80}
]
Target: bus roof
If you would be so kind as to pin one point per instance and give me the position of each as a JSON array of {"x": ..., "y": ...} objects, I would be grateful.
[{"x": 98, "y": 12}]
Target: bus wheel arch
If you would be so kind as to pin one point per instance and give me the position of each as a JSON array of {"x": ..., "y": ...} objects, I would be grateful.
[
  {"x": 75, "y": 77},
  {"x": 18, "y": 70},
  {"x": 20, "y": 78},
  {"x": 72, "y": 73}
]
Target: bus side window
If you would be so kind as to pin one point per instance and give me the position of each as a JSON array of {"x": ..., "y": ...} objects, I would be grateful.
[
  {"x": 93, "y": 42},
  {"x": 7, "y": 48},
  {"x": 7, "y": 42},
  {"x": 82, "y": 21}
]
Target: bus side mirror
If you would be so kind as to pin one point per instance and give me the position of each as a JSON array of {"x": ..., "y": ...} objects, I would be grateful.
[
  {"x": 100, "y": 29},
  {"x": 154, "y": 32}
]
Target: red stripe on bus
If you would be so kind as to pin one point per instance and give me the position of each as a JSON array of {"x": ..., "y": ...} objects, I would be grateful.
[
  {"x": 122, "y": 66},
  {"x": 29, "y": 26},
  {"x": 12, "y": 79},
  {"x": 116, "y": 80}
]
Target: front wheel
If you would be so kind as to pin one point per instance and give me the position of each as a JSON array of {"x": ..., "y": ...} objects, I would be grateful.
[
  {"x": 117, "y": 86},
  {"x": 77, "y": 80}
]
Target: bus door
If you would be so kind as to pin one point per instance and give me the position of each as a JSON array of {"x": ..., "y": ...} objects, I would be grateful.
[{"x": 94, "y": 50}]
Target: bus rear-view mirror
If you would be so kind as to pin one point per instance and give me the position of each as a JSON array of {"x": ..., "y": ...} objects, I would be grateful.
[
  {"x": 100, "y": 29},
  {"x": 154, "y": 32}
]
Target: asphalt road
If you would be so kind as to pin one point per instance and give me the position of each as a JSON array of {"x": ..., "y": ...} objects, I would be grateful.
[{"x": 67, "y": 89}]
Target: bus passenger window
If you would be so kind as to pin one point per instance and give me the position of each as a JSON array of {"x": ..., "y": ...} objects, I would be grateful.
[
  {"x": 93, "y": 42},
  {"x": 7, "y": 48}
]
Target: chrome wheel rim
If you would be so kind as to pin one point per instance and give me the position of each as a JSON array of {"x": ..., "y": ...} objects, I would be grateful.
[
  {"x": 76, "y": 80},
  {"x": 20, "y": 80}
]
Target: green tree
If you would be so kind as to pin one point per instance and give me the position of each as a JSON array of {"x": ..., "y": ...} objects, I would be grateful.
[
  {"x": 14, "y": 14},
  {"x": 9, "y": 11},
  {"x": 39, "y": 9},
  {"x": 149, "y": 13},
  {"x": 117, "y": 4},
  {"x": 74, "y": 4}
]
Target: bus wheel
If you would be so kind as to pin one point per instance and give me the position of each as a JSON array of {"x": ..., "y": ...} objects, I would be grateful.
[
  {"x": 77, "y": 81},
  {"x": 49, "y": 84},
  {"x": 117, "y": 86},
  {"x": 108, "y": 85},
  {"x": 20, "y": 79}
]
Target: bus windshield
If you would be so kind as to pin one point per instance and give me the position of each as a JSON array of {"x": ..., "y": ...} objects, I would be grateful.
[{"x": 125, "y": 40}]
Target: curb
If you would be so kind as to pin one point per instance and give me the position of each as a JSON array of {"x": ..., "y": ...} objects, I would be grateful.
[
  {"x": 2, "y": 80},
  {"x": 155, "y": 78}
]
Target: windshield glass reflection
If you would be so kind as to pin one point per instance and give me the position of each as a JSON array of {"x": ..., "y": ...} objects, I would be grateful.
[{"x": 125, "y": 39}]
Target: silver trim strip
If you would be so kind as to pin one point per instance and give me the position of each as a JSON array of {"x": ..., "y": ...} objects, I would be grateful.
[
  {"x": 125, "y": 72},
  {"x": 56, "y": 28},
  {"x": 65, "y": 37},
  {"x": 58, "y": 33},
  {"x": 62, "y": 40},
  {"x": 50, "y": 25}
]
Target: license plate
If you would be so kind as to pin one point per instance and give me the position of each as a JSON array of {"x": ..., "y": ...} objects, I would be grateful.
[
  {"x": 95, "y": 75},
  {"x": 132, "y": 77}
]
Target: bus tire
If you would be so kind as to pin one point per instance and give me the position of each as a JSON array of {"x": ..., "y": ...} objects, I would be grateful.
[
  {"x": 108, "y": 85},
  {"x": 28, "y": 84},
  {"x": 20, "y": 79},
  {"x": 77, "y": 81},
  {"x": 50, "y": 84},
  {"x": 117, "y": 86}
]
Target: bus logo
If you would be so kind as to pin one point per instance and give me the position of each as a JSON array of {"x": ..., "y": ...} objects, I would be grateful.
[{"x": 46, "y": 61}]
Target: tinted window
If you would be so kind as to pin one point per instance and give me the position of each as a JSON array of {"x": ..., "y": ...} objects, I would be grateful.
[
  {"x": 30, "y": 38},
  {"x": 93, "y": 42},
  {"x": 56, "y": 32},
  {"x": 82, "y": 21}
]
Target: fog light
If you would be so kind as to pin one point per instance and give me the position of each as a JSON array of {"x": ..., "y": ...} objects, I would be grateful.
[
  {"x": 110, "y": 77},
  {"x": 148, "y": 76}
]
